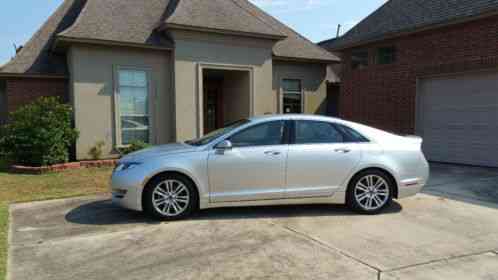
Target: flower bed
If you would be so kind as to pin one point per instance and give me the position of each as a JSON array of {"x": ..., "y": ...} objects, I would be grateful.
[{"x": 19, "y": 169}]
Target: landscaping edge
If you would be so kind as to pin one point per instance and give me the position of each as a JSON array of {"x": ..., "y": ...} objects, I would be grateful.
[{"x": 30, "y": 170}]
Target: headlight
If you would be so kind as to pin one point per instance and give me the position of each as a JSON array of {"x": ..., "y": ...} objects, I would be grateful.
[{"x": 126, "y": 166}]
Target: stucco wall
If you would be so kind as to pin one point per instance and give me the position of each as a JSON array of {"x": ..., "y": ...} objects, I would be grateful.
[
  {"x": 236, "y": 90},
  {"x": 313, "y": 80},
  {"x": 92, "y": 88},
  {"x": 194, "y": 48}
]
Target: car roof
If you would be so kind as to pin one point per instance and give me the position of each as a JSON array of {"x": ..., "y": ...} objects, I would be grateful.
[{"x": 293, "y": 117}]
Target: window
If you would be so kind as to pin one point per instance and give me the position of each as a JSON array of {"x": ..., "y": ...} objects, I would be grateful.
[
  {"x": 386, "y": 55},
  {"x": 133, "y": 102},
  {"x": 266, "y": 134},
  {"x": 292, "y": 96},
  {"x": 359, "y": 59},
  {"x": 352, "y": 135},
  {"x": 315, "y": 132}
]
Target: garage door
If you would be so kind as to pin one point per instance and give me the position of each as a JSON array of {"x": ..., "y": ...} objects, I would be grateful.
[{"x": 458, "y": 118}]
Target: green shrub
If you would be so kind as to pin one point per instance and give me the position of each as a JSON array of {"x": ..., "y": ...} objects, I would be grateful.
[
  {"x": 39, "y": 134},
  {"x": 133, "y": 147},
  {"x": 96, "y": 151}
]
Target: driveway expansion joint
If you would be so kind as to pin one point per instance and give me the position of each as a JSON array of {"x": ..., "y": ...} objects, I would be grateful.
[
  {"x": 439, "y": 260},
  {"x": 328, "y": 246}
]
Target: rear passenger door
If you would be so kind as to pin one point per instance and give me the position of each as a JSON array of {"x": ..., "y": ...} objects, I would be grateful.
[{"x": 319, "y": 159}]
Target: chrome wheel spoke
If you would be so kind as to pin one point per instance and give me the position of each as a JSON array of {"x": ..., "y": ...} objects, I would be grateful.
[
  {"x": 182, "y": 199},
  {"x": 161, "y": 192},
  {"x": 377, "y": 200},
  {"x": 180, "y": 189},
  {"x": 361, "y": 197}
]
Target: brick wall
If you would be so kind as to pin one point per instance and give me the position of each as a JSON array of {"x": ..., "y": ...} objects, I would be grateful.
[
  {"x": 21, "y": 91},
  {"x": 384, "y": 95}
]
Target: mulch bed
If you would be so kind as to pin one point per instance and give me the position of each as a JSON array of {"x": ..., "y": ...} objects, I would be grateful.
[{"x": 19, "y": 169}]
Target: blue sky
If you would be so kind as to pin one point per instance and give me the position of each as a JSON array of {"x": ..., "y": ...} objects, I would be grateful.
[{"x": 315, "y": 19}]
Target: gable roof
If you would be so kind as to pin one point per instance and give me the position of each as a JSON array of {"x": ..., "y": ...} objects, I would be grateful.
[
  {"x": 295, "y": 46},
  {"x": 400, "y": 16},
  {"x": 136, "y": 23},
  {"x": 125, "y": 21},
  {"x": 226, "y": 15},
  {"x": 35, "y": 58}
]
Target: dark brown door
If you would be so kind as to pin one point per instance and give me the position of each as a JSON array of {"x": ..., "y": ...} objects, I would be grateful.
[{"x": 213, "y": 104}]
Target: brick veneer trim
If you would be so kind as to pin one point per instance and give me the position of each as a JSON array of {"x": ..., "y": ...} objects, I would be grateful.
[
  {"x": 22, "y": 91},
  {"x": 384, "y": 96}
]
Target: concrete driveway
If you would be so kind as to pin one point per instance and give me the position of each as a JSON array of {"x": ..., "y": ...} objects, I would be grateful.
[{"x": 449, "y": 232}]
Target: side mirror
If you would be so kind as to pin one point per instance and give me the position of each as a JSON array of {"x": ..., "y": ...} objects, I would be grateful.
[{"x": 224, "y": 146}]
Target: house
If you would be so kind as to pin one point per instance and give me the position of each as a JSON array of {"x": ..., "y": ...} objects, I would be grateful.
[
  {"x": 165, "y": 70},
  {"x": 426, "y": 67}
]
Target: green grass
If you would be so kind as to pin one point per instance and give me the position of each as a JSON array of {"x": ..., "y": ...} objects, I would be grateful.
[{"x": 23, "y": 188}]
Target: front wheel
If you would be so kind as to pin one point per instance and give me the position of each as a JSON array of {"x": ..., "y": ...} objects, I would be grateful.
[
  {"x": 370, "y": 192},
  {"x": 170, "y": 197}
]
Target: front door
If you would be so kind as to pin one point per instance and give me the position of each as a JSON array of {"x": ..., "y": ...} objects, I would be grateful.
[
  {"x": 319, "y": 160},
  {"x": 213, "y": 104},
  {"x": 254, "y": 169}
]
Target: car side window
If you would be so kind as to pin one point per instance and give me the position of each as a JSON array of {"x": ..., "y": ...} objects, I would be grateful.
[
  {"x": 353, "y": 135},
  {"x": 316, "y": 132},
  {"x": 266, "y": 134}
]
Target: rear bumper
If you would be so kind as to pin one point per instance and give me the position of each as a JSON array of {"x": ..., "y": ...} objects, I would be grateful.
[{"x": 410, "y": 187}]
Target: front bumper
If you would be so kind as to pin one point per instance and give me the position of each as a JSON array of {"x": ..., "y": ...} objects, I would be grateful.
[{"x": 127, "y": 189}]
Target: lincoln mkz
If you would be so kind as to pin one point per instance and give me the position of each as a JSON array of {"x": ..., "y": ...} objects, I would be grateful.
[{"x": 273, "y": 160}]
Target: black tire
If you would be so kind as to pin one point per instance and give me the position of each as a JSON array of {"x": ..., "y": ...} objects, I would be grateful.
[
  {"x": 355, "y": 191},
  {"x": 159, "y": 181}
]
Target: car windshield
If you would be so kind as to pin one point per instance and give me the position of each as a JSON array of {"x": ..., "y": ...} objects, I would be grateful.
[{"x": 208, "y": 138}]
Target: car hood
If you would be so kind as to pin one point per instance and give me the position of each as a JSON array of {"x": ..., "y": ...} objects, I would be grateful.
[{"x": 163, "y": 150}]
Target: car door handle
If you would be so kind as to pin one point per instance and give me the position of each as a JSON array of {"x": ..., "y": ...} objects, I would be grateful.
[
  {"x": 342, "y": 150},
  {"x": 272, "y": 153}
]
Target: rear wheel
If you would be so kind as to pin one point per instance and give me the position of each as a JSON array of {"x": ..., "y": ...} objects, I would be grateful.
[
  {"x": 370, "y": 192},
  {"x": 170, "y": 197}
]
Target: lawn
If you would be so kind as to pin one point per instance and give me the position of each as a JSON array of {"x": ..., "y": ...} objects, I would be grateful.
[{"x": 23, "y": 188}]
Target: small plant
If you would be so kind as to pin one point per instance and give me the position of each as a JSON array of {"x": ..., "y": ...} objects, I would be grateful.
[
  {"x": 134, "y": 147},
  {"x": 39, "y": 134},
  {"x": 96, "y": 151}
]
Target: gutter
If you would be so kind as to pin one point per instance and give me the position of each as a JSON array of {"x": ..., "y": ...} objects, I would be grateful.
[
  {"x": 165, "y": 26},
  {"x": 33, "y": 76},
  {"x": 306, "y": 60},
  {"x": 60, "y": 42}
]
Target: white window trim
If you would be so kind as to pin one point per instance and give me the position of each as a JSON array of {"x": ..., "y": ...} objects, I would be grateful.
[
  {"x": 117, "y": 113},
  {"x": 282, "y": 93}
]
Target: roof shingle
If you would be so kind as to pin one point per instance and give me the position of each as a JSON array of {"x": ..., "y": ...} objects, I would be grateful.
[
  {"x": 219, "y": 15},
  {"x": 135, "y": 22},
  {"x": 126, "y": 21},
  {"x": 398, "y": 16}
]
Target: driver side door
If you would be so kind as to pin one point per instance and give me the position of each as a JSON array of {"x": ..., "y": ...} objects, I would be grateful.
[{"x": 254, "y": 169}]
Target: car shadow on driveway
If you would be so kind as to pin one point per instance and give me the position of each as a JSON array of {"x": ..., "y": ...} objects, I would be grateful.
[{"x": 105, "y": 213}]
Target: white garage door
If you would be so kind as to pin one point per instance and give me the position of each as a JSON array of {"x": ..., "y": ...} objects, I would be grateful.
[{"x": 458, "y": 118}]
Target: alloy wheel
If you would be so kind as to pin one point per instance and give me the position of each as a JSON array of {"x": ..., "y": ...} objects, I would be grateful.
[
  {"x": 171, "y": 198},
  {"x": 371, "y": 192}
]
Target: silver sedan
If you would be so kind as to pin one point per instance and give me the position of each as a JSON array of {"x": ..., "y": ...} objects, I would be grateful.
[{"x": 273, "y": 160}]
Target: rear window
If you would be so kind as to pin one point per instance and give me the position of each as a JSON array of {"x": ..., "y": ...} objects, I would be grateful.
[{"x": 352, "y": 135}]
